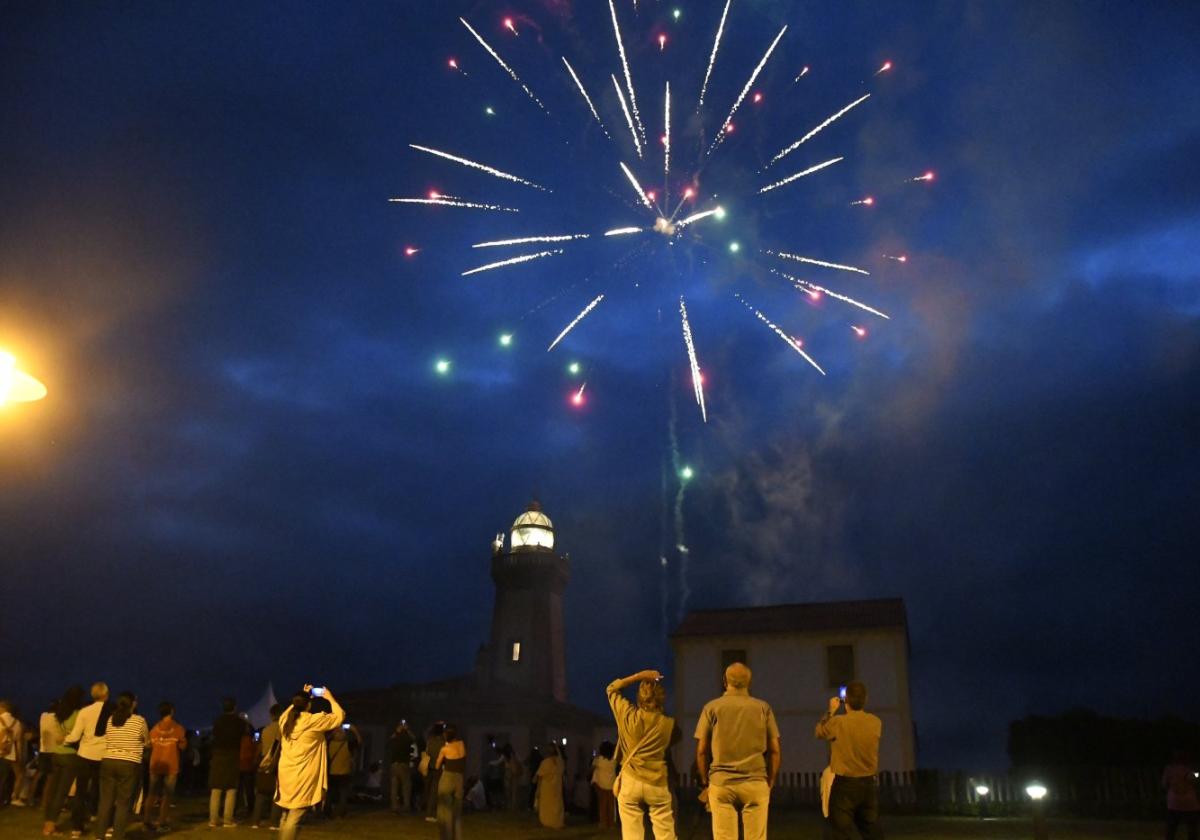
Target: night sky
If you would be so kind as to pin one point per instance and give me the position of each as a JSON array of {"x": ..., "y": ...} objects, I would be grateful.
[{"x": 248, "y": 470}]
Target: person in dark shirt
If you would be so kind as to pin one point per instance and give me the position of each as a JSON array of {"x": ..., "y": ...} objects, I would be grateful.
[
  {"x": 400, "y": 749},
  {"x": 223, "y": 769}
]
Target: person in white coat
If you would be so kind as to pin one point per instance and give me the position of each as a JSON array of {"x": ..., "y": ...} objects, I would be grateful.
[{"x": 303, "y": 770}]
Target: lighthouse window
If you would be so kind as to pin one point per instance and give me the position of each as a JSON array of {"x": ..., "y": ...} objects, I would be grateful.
[{"x": 516, "y": 651}]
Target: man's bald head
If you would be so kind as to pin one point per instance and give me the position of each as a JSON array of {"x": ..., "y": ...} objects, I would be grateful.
[{"x": 737, "y": 676}]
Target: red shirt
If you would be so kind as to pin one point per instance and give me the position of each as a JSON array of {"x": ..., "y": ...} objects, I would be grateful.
[{"x": 167, "y": 738}]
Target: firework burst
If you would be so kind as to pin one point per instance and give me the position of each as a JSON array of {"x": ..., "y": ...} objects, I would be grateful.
[{"x": 647, "y": 237}]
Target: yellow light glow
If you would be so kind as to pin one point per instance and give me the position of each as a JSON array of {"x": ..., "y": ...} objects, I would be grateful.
[{"x": 16, "y": 385}]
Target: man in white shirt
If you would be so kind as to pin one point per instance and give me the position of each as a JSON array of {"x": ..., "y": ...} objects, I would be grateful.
[{"x": 87, "y": 759}]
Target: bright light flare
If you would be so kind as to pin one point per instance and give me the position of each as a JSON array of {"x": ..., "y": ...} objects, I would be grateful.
[
  {"x": 662, "y": 42},
  {"x": 510, "y": 26},
  {"x": 573, "y": 368},
  {"x": 803, "y": 72},
  {"x": 734, "y": 247},
  {"x": 687, "y": 473},
  {"x": 16, "y": 385},
  {"x": 861, "y": 332},
  {"x": 1036, "y": 792},
  {"x": 442, "y": 366},
  {"x": 719, "y": 212},
  {"x": 577, "y": 397},
  {"x": 506, "y": 339},
  {"x": 758, "y": 97},
  {"x": 411, "y": 251},
  {"x": 928, "y": 176},
  {"x": 982, "y": 790},
  {"x": 886, "y": 66},
  {"x": 868, "y": 201},
  {"x": 900, "y": 258},
  {"x": 677, "y": 13}
]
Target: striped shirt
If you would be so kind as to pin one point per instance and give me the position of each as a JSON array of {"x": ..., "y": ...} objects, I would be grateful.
[{"x": 127, "y": 743}]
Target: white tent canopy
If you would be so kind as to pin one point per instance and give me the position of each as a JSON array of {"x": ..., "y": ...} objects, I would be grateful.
[{"x": 259, "y": 714}]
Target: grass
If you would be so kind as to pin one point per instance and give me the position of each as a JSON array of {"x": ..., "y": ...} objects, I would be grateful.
[{"x": 191, "y": 822}]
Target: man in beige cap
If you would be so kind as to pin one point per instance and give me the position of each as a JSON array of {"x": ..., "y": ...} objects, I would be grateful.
[{"x": 738, "y": 755}]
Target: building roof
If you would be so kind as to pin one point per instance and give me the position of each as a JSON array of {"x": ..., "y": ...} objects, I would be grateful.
[{"x": 795, "y": 618}]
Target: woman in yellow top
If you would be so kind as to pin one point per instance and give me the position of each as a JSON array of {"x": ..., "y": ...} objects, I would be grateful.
[
  {"x": 303, "y": 775},
  {"x": 452, "y": 761},
  {"x": 550, "y": 788}
]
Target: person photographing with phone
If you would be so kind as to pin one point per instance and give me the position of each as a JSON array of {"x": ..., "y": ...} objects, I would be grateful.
[
  {"x": 303, "y": 771},
  {"x": 854, "y": 756},
  {"x": 644, "y": 735}
]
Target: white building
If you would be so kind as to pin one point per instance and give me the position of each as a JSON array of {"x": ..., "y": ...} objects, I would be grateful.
[{"x": 800, "y": 654}]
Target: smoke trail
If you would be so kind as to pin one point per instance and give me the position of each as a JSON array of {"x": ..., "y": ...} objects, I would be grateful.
[
  {"x": 794, "y": 343},
  {"x": 685, "y": 592},
  {"x": 500, "y": 61},
  {"x": 513, "y": 261},
  {"x": 637, "y": 142},
  {"x": 816, "y": 130},
  {"x": 697, "y": 379},
  {"x": 482, "y": 167},
  {"x": 625, "y": 66},
  {"x": 712, "y": 59},
  {"x": 798, "y": 175},
  {"x": 811, "y": 261},
  {"x": 586, "y": 98},
  {"x": 749, "y": 84},
  {"x": 528, "y": 239},
  {"x": 641, "y": 193},
  {"x": 586, "y": 311},
  {"x": 448, "y": 202}
]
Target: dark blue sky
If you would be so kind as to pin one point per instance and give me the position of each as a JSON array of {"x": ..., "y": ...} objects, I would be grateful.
[{"x": 247, "y": 469}]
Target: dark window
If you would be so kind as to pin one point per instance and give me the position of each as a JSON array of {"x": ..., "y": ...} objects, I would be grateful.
[{"x": 839, "y": 664}]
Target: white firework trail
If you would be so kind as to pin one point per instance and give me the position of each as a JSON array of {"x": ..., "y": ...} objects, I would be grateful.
[
  {"x": 625, "y": 66},
  {"x": 810, "y": 261},
  {"x": 794, "y": 343},
  {"x": 806, "y": 286},
  {"x": 695, "y": 217},
  {"x": 749, "y": 84},
  {"x": 500, "y": 61},
  {"x": 712, "y": 59},
  {"x": 641, "y": 192},
  {"x": 637, "y": 141},
  {"x": 586, "y": 98},
  {"x": 496, "y": 243},
  {"x": 799, "y": 175},
  {"x": 902, "y": 258},
  {"x": 513, "y": 261},
  {"x": 817, "y": 130},
  {"x": 624, "y": 231},
  {"x": 449, "y": 202},
  {"x": 482, "y": 167},
  {"x": 667, "y": 134},
  {"x": 784, "y": 255},
  {"x": 697, "y": 380},
  {"x": 587, "y": 310},
  {"x": 803, "y": 72}
]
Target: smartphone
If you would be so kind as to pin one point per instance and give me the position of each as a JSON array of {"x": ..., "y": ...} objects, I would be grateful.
[
  {"x": 318, "y": 691},
  {"x": 345, "y": 726},
  {"x": 842, "y": 692}
]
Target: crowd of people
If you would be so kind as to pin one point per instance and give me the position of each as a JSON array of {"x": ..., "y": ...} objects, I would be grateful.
[{"x": 101, "y": 761}]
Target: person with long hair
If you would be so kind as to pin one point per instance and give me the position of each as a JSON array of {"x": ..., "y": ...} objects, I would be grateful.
[
  {"x": 451, "y": 761},
  {"x": 126, "y": 737},
  {"x": 549, "y": 780},
  {"x": 645, "y": 734},
  {"x": 62, "y": 757},
  {"x": 303, "y": 772}
]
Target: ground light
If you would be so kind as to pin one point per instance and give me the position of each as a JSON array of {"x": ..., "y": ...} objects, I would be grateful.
[
  {"x": 1037, "y": 792},
  {"x": 981, "y": 791}
]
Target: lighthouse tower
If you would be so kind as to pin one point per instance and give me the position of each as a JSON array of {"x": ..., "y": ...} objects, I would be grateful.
[{"x": 528, "y": 647}]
